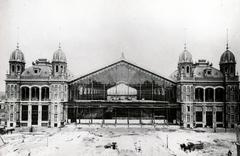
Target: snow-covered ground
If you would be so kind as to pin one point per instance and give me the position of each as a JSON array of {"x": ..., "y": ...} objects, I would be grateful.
[{"x": 84, "y": 140}]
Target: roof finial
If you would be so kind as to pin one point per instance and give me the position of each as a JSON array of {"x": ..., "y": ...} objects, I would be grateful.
[
  {"x": 18, "y": 37},
  {"x": 17, "y": 45},
  {"x": 227, "y": 47},
  {"x": 59, "y": 45},
  {"x": 122, "y": 55},
  {"x": 60, "y": 32},
  {"x": 185, "y": 38}
]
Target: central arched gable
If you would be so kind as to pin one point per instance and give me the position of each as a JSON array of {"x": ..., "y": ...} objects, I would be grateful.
[{"x": 149, "y": 86}]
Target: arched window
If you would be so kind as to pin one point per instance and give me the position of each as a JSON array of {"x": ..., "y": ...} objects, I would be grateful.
[
  {"x": 232, "y": 70},
  {"x": 35, "y": 93},
  {"x": 24, "y": 93},
  {"x": 61, "y": 68},
  {"x": 18, "y": 68},
  {"x": 45, "y": 94},
  {"x": 199, "y": 94},
  {"x": 209, "y": 95},
  {"x": 13, "y": 68},
  {"x": 188, "y": 69},
  {"x": 226, "y": 69},
  {"x": 219, "y": 95},
  {"x": 56, "y": 68}
]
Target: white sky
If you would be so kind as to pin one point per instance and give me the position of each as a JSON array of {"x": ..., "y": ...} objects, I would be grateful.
[{"x": 93, "y": 32}]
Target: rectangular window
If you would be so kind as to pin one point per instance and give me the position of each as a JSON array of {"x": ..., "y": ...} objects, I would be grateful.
[
  {"x": 232, "y": 109},
  {"x": 55, "y": 117},
  {"x": 188, "y": 108},
  {"x": 232, "y": 118},
  {"x": 11, "y": 109},
  {"x": 219, "y": 116},
  {"x": 24, "y": 112},
  {"x": 44, "y": 113},
  {"x": 55, "y": 108},
  {"x": 11, "y": 117},
  {"x": 188, "y": 118},
  {"x": 199, "y": 116}
]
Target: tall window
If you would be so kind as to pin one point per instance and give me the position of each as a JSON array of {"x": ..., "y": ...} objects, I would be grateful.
[
  {"x": 199, "y": 116},
  {"x": 199, "y": 94},
  {"x": 55, "y": 117},
  {"x": 18, "y": 68},
  {"x": 13, "y": 68},
  {"x": 219, "y": 116},
  {"x": 45, "y": 93},
  {"x": 188, "y": 69},
  {"x": 35, "y": 93},
  {"x": 209, "y": 95},
  {"x": 219, "y": 95},
  {"x": 24, "y": 112},
  {"x": 57, "y": 68},
  {"x": 24, "y": 93},
  {"x": 45, "y": 113}
]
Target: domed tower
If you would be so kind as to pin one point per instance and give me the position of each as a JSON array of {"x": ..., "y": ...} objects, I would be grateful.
[
  {"x": 185, "y": 64},
  {"x": 16, "y": 62},
  {"x": 59, "y": 63},
  {"x": 228, "y": 63}
]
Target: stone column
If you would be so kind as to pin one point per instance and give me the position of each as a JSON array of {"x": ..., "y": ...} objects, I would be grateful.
[
  {"x": 214, "y": 117},
  {"x": 214, "y": 98},
  {"x": 30, "y": 93},
  {"x": 39, "y": 114},
  {"x": 237, "y": 129},
  {"x": 59, "y": 114},
  {"x": 29, "y": 115},
  {"x": 191, "y": 115},
  {"x": 40, "y": 94},
  {"x": 204, "y": 114},
  {"x": 52, "y": 114},
  {"x": 204, "y": 99},
  {"x": 20, "y": 113},
  {"x": 65, "y": 113}
]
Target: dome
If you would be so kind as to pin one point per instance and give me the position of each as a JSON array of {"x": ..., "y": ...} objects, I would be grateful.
[
  {"x": 185, "y": 56},
  {"x": 59, "y": 56},
  {"x": 227, "y": 57},
  {"x": 17, "y": 56}
]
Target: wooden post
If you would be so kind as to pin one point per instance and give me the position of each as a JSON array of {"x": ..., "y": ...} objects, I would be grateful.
[
  {"x": 237, "y": 129},
  {"x": 152, "y": 90},
  {"x": 91, "y": 89},
  {"x": 104, "y": 96},
  {"x": 102, "y": 116},
  {"x": 141, "y": 117},
  {"x": 140, "y": 92},
  {"x": 167, "y": 141},
  {"x": 128, "y": 117},
  {"x": 115, "y": 112},
  {"x": 152, "y": 118},
  {"x": 167, "y": 114}
]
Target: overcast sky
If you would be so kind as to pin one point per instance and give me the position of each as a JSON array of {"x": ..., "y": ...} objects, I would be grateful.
[{"x": 93, "y": 32}]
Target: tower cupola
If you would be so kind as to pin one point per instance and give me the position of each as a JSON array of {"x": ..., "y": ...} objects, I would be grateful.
[{"x": 16, "y": 61}]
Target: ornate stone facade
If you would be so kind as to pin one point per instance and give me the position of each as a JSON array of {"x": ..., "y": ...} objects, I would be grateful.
[
  {"x": 195, "y": 95},
  {"x": 209, "y": 97},
  {"x": 36, "y": 95}
]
